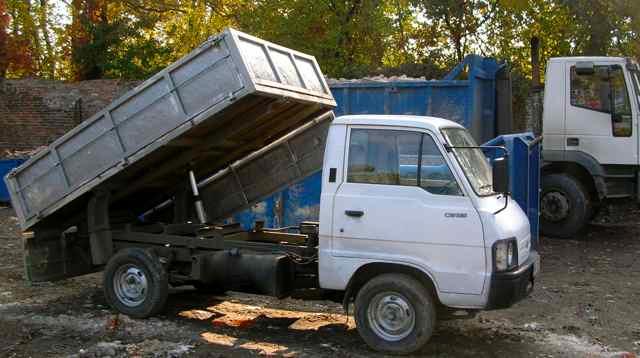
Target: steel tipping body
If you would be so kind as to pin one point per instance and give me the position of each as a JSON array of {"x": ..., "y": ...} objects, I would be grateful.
[{"x": 227, "y": 98}]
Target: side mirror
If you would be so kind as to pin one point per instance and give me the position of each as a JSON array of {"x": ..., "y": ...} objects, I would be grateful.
[
  {"x": 501, "y": 175},
  {"x": 585, "y": 68}
]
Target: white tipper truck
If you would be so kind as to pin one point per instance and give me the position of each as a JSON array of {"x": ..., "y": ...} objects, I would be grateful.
[
  {"x": 414, "y": 223},
  {"x": 591, "y": 142}
]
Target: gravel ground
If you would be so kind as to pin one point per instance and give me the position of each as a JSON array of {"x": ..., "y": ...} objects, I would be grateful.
[{"x": 586, "y": 304}]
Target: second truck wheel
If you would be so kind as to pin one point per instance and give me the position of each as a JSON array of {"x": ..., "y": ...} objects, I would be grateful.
[{"x": 565, "y": 206}]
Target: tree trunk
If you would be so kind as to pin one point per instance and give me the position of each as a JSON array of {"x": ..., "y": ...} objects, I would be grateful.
[
  {"x": 535, "y": 62},
  {"x": 600, "y": 30},
  {"x": 49, "y": 58}
]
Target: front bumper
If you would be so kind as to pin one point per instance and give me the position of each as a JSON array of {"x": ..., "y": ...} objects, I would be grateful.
[{"x": 510, "y": 287}]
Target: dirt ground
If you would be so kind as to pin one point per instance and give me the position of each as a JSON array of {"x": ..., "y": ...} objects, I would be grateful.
[{"x": 585, "y": 304}]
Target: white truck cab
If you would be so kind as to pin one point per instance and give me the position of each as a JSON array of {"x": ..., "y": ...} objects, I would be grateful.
[
  {"x": 590, "y": 130},
  {"x": 404, "y": 198}
]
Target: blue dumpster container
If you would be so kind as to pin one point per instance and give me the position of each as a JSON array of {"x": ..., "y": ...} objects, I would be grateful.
[
  {"x": 524, "y": 173},
  {"x": 470, "y": 102},
  {"x": 466, "y": 95},
  {"x": 6, "y": 165}
]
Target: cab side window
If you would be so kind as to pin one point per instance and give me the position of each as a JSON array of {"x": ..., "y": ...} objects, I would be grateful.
[
  {"x": 393, "y": 157},
  {"x": 605, "y": 91},
  {"x": 591, "y": 91},
  {"x": 375, "y": 156}
]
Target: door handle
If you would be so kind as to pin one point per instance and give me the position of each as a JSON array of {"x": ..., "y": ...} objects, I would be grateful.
[{"x": 354, "y": 213}]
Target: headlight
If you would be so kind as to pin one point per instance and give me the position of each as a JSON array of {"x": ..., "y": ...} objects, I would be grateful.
[{"x": 505, "y": 255}]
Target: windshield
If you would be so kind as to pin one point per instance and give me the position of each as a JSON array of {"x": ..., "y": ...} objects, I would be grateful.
[{"x": 473, "y": 162}]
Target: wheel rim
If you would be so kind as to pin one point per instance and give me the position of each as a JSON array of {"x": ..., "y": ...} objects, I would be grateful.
[
  {"x": 130, "y": 285},
  {"x": 391, "y": 316},
  {"x": 555, "y": 206}
]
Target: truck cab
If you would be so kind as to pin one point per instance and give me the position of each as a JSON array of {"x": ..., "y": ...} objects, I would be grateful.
[
  {"x": 409, "y": 220},
  {"x": 590, "y": 130}
]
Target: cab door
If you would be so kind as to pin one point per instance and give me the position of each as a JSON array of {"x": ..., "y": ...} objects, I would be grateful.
[
  {"x": 601, "y": 119},
  {"x": 400, "y": 202}
]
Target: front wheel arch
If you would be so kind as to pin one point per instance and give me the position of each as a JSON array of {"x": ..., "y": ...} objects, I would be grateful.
[{"x": 368, "y": 271}]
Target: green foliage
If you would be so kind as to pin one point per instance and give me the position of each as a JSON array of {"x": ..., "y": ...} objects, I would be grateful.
[
  {"x": 85, "y": 39},
  {"x": 349, "y": 38}
]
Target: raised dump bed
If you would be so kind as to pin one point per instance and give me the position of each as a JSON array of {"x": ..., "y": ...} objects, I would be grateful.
[
  {"x": 282, "y": 163},
  {"x": 229, "y": 97}
]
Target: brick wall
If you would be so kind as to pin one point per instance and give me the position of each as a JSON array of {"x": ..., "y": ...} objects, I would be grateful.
[{"x": 35, "y": 112}]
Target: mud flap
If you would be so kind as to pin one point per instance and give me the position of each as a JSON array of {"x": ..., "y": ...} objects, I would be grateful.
[{"x": 53, "y": 256}]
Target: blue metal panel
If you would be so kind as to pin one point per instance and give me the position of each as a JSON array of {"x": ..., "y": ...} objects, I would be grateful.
[
  {"x": 6, "y": 165},
  {"x": 524, "y": 174},
  {"x": 264, "y": 211},
  {"x": 291, "y": 206},
  {"x": 449, "y": 102},
  {"x": 469, "y": 101},
  {"x": 301, "y": 201}
]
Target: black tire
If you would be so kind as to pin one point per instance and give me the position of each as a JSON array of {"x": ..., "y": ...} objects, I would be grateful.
[
  {"x": 139, "y": 264},
  {"x": 565, "y": 206},
  {"x": 410, "y": 291}
]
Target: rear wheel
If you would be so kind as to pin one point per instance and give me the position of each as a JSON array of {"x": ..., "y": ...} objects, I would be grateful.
[
  {"x": 135, "y": 283},
  {"x": 395, "y": 313},
  {"x": 565, "y": 206}
]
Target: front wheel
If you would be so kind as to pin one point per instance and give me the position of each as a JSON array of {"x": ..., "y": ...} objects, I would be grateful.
[
  {"x": 395, "y": 313},
  {"x": 135, "y": 283},
  {"x": 565, "y": 206}
]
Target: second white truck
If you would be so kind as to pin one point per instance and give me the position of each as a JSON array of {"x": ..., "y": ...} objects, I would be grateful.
[{"x": 591, "y": 142}]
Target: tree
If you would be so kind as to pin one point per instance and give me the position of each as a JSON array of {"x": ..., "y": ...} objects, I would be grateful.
[
  {"x": 19, "y": 49},
  {"x": 349, "y": 38},
  {"x": 4, "y": 41},
  {"x": 90, "y": 37},
  {"x": 48, "y": 58},
  {"x": 453, "y": 24}
]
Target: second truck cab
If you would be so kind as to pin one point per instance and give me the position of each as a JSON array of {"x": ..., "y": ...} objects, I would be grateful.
[
  {"x": 409, "y": 220},
  {"x": 591, "y": 141}
]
